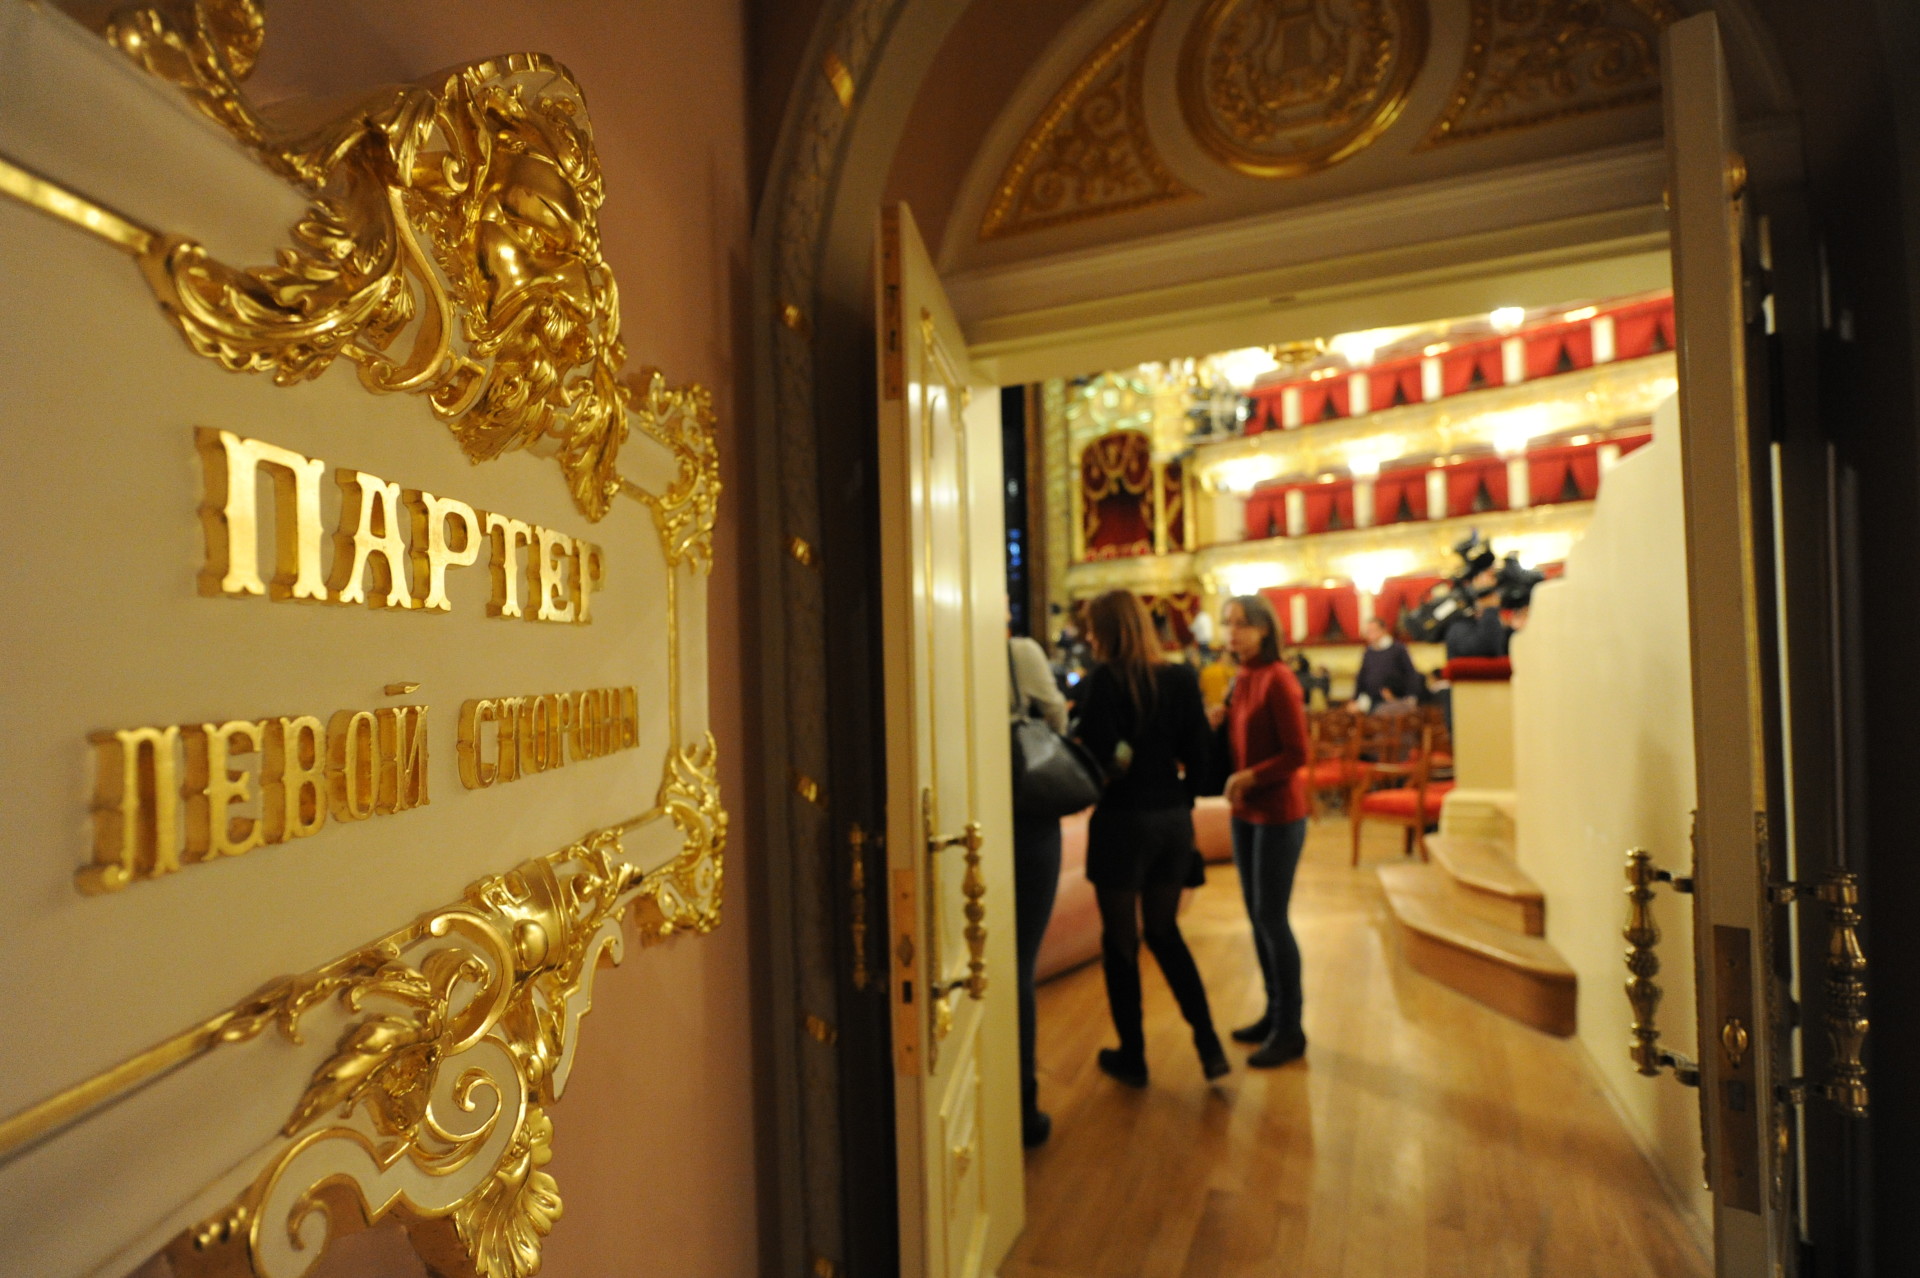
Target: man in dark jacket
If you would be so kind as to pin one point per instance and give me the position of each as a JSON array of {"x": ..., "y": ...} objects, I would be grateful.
[{"x": 1386, "y": 671}]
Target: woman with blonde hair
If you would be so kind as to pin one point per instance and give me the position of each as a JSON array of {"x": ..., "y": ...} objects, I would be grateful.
[
  {"x": 1267, "y": 731},
  {"x": 1142, "y": 719}
]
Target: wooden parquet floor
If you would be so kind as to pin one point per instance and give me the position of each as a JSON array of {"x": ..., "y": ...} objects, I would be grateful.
[{"x": 1423, "y": 1134}]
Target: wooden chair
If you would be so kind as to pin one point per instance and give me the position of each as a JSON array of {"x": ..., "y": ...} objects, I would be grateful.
[
  {"x": 1332, "y": 756},
  {"x": 1423, "y": 778}
]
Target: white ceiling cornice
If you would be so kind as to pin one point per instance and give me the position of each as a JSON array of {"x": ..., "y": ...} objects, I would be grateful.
[{"x": 1618, "y": 179}]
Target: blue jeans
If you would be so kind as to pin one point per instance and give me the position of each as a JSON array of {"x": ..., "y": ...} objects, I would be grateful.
[{"x": 1267, "y": 856}]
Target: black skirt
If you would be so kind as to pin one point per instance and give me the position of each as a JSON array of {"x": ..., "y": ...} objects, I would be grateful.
[{"x": 1130, "y": 848}]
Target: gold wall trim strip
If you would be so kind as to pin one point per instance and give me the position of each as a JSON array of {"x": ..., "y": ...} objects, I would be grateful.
[
  {"x": 55, "y": 200},
  {"x": 238, "y": 1024}
]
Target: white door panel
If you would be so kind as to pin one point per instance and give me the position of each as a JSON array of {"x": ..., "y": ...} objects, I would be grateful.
[{"x": 949, "y": 818}]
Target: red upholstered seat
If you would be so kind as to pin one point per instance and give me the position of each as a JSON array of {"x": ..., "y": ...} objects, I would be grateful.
[
  {"x": 1400, "y": 802},
  {"x": 1330, "y": 772}
]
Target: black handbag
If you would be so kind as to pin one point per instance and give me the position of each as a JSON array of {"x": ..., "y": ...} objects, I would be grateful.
[{"x": 1052, "y": 776}]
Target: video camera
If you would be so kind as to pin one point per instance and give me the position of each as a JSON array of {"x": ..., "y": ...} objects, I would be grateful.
[{"x": 1460, "y": 601}]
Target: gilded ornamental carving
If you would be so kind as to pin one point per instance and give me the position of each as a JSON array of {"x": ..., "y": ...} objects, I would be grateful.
[
  {"x": 1281, "y": 88},
  {"x": 451, "y": 249},
  {"x": 1531, "y": 61},
  {"x": 461, "y": 1029},
  {"x": 1089, "y": 152}
]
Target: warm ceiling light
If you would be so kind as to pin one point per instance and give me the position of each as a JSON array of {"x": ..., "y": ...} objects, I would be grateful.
[
  {"x": 1507, "y": 318},
  {"x": 1584, "y": 313},
  {"x": 1581, "y": 439},
  {"x": 1438, "y": 348}
]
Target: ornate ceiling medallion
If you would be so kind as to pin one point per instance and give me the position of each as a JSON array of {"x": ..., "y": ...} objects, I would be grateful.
[
  {"x": 1281, "y": 88},
  {"x": 1531, "y": 61},
  {"x": 1089, "y": 153}
]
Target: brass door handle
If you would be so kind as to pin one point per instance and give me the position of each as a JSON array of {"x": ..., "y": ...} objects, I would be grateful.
[
  {"x": 974, "y": 888},
  {"x": 1847, "y": 1022},
  {"x": 1846, "y": 989},
  {"x": 1643, "y": 964}
]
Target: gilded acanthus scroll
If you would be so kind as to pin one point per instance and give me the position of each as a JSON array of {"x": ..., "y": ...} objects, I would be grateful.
[{"x": 339, "y": 761}]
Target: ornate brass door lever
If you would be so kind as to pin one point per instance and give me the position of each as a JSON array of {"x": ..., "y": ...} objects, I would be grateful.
[{"x": 1643, "y": 964}]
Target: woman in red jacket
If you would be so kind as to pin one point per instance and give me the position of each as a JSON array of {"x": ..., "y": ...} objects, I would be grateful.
[{"x": 1267, "y": 729}]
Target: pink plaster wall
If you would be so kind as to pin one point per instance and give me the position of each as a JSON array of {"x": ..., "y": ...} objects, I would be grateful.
[{"x": 655, "y": 1145}]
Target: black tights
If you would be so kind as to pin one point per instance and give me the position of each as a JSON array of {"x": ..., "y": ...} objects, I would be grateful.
[{"x": 1122, "y": 913}]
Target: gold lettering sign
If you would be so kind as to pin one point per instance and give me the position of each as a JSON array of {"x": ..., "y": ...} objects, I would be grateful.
[
  {"x": 506, "y": 738},
  {"x": 245, "y": 783},
  {"x": 373, "y": 563},
  {"x": 441, "y": 248}
]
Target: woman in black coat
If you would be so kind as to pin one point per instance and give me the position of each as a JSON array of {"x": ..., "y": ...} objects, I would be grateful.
[{"x": 1143, "y": 719}]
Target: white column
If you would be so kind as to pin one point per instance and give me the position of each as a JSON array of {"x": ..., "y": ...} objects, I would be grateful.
[
  {"x": 1363, "y": 503},
  {"x": 1513, "y": 361},
  {"x": 1366, "y": 604},
  {"x": 1430, "y": 383},
  {"x": 1518, "y": 496},
  {"x": 1436, "y": 493},
  {"x": 1609, "y": 457},
  {"x": 1297, "y": 618},
  {"x": 1359, "y": 395},
  {"x": 1229, "y": 516},
  {"x": 1290, "y": 408},
  {"x": 1603, "y": 347},
  {"x": 1296, "y": 513}
]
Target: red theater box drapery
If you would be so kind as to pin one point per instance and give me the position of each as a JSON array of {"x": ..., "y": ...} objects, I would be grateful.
[
  {"x": 1391, "y": 385},
  {"x": 1267, "y": 512},
  {"x": 1116, "y": 477},
  {"x": 1400, "y": 496},
  {"x": 1328, "y": 508},
  {"x": 1645, "y": 329},
  {"x": 1175, "y": 613},
  {"x": 1476, "y": 486},
  {"x": 1402, "y": 594},
  {"x": 1475, "y": 363},
  {"x": 1331, "y": 613}
]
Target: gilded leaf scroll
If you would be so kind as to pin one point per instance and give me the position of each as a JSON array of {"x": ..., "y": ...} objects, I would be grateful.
[
  {"x": 1532, "y": 61},
  {"x": 451, "y": 248},
  {"x": 1089, "y": 152},
  {"x": 461, "y": 1029}
]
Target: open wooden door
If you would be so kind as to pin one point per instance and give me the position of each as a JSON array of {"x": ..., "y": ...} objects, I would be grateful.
[
  {"x": 949, "y": 807},
  {"x": 1750, "y": 899}
]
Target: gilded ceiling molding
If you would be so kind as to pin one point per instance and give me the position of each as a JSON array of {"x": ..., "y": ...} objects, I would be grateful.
[
  {"x": 1282, "y": 88},
  {"x": 1088, "y": 154},
  {"x": 1532, "y": 61},
  {"x": 451, "y": 248}
]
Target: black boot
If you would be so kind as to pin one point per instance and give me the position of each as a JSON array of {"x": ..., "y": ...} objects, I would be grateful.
[
  {"x": 1281, "y": 1046},
  {"x": 1213, "y": 1060},
  {"x": 1254, "y": 1033},
  {"x": 1123, "y": 1067}
]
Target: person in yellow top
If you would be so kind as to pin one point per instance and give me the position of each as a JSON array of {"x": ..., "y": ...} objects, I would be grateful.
[{"x": 1216, "y": 676}]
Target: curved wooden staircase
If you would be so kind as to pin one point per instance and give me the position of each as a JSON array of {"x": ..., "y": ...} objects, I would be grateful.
[{"x": 1473, "y": 920}]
